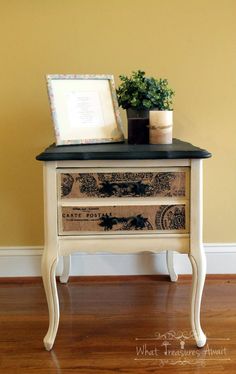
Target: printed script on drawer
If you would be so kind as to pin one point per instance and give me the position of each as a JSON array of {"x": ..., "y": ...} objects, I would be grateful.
[
  {"x": 124, "y": 218},
  {"x": 87, "y": 185}
]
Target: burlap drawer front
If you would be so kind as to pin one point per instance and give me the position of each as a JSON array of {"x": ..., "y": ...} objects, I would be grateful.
[
  {"x": 124, "y": 184},
  {"x": 132, "y": 218}
]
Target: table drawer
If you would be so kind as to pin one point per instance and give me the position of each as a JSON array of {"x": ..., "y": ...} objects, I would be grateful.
[
  {"x": 123, "y": 218},
  {"x": 168, "y": 182}
]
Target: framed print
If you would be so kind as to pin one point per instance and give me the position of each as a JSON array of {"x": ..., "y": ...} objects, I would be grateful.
[{"x": 84, "y": 109}]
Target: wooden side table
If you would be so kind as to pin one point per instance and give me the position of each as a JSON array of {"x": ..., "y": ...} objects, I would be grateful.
[{"x": 123, "y": 198}]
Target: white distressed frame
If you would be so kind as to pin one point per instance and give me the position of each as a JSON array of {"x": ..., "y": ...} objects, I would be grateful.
[{"x": 60, "y": 86}]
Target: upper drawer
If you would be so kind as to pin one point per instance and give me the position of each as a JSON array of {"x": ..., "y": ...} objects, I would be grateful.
[{"x": 102, "y": 183}]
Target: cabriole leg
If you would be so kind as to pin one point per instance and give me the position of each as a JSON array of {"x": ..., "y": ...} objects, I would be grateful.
[
  {"x": 49, "y": 264},
  {"x": 170, "y": 266},
  {"x": 66, "y": 269},
  {"x": 198, "y": 262}
]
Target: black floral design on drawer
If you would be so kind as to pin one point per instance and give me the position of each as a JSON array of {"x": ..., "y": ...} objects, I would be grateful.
[{"x": 171, "y": 217}]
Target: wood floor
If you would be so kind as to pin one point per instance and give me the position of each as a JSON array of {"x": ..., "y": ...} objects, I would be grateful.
[{"x": 115, "y": 326}]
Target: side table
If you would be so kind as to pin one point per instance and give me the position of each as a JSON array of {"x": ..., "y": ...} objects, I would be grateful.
[{"x": 126, "y": 199}]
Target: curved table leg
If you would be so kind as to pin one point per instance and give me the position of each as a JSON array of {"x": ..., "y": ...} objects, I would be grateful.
[
  {"x": 198, "y": 262},
  {"x": 170, "y": 266},
  {"x": 66, "y": 269},
  {"x": 49, "y": 264}
]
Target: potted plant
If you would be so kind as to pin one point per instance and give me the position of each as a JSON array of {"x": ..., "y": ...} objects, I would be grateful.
[{"x": 140, "y": 95}]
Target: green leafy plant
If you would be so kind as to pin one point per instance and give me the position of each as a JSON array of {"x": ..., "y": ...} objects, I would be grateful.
[{"x": 143, "y": 93}]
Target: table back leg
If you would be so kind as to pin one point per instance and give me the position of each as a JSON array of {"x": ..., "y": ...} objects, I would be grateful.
[
  {"x": 170, "y": 266},
  {"x": 66, "y": 269}
]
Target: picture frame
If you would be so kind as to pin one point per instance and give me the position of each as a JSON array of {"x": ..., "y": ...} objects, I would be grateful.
[{"x": 84, "y": 109}]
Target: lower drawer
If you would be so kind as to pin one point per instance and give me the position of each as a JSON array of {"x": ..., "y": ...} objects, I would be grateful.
[{"x": 74, "y": 220}]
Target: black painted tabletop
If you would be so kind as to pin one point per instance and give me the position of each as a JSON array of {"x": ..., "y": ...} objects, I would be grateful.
[{"x": 123, "y": 151}]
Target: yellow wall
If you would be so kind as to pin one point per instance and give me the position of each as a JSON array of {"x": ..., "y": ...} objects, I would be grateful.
[{"x": 190, "y": 42}]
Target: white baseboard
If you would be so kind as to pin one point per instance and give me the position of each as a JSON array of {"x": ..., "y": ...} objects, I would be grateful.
[{"x": 25, "y": 261}]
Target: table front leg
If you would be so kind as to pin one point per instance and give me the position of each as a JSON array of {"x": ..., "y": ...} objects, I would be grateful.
[
  {"x": 198, "y": 262},
  {"x": 49, "y": 264}
]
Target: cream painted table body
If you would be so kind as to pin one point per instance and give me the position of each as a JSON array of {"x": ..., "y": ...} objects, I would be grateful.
[{"x": 124, "y": 199}]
